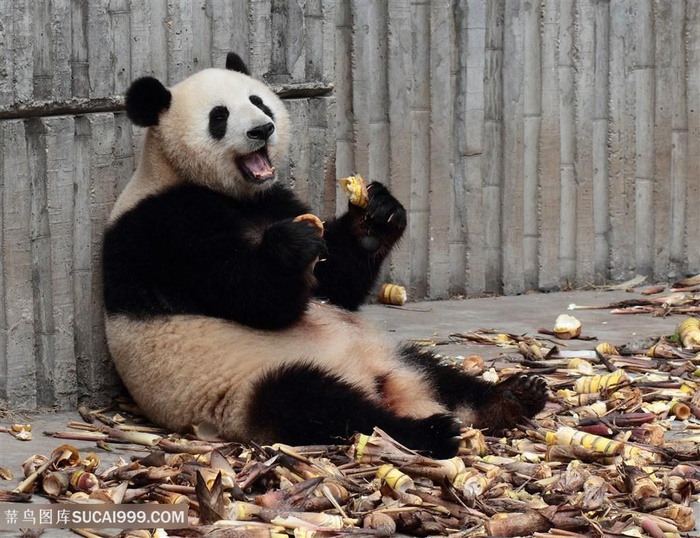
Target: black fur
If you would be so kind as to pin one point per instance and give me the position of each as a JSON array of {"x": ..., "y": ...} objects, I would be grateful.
[
  {"x": 303, "y": 404},
  {"x": 191, "y": 250},
  {"x": 218, "y": 118},
  {"x": 350, "y": 269},
  {"x": 498, "y": 407},
  {"x": 146, "y": 99},
  {"x": 261, "y": 132},
  {"x": 258, "y": 102},
  {"x": 235, "y": 63}
]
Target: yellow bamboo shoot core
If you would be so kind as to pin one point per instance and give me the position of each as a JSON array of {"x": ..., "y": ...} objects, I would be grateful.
[
  {"x": 596, "y": 383},
  {"x": 356, "y": 190},
  {"x": 395, "y": 479},
  {"x": 392, "y": 294},
  {"x": 571, "y": 436},
  {"x": 689, "y": 332},
  {"x": 567, "y": 327}
]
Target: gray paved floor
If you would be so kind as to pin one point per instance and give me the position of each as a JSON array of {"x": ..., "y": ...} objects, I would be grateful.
[{"x": 521, "y": 314}]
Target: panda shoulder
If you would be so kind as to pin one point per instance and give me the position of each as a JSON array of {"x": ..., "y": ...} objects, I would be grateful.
[{"x": 180, "y": 202}]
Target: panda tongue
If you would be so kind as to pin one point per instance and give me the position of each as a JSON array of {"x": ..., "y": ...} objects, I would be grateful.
[{"x": 258, "y": 165}]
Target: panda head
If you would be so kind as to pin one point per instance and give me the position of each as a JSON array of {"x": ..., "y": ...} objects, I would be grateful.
[{"x": 219, "y": 127}]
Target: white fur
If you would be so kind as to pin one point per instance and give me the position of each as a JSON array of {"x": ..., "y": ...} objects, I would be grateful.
[{"x": 186, "y": 370}]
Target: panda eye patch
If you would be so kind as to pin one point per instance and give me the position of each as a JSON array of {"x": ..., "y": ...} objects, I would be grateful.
[
  {"x": 218, "y": 118},
  {"x": 262, "y": 106}
]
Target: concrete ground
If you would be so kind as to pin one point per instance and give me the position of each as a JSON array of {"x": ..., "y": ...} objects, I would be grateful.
[{"x": 421, "y": 320}]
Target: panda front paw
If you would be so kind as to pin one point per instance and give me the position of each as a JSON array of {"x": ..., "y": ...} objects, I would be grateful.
[
  {"x": 384, "y": 212},
  {"x": 294, "y": 245}
]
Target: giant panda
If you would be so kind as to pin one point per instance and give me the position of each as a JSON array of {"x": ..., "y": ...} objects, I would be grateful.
[{"x": 224, "y": 309}]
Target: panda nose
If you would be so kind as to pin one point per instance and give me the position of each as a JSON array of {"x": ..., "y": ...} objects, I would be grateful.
[{"x": 261, "y": 132}]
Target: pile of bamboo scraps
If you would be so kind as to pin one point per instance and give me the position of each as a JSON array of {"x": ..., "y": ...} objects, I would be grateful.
[
  {"x": 616, "y": 452},
  {"x": 684, "y": 298}
]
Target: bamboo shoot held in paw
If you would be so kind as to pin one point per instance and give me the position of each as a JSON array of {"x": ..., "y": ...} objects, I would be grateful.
[
  {"x": 313, "y": 219},
  {"x": 355, "y": 189}
]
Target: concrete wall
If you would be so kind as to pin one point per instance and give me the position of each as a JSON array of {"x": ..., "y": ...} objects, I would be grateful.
[
  {"x": 539, "y": 144},
  {"x": 536, "y": 144}
]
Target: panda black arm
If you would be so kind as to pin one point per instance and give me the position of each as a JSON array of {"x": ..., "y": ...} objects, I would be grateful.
[
  {"x": 193, "y": 251},
  {"x": 358, "y": 242}
]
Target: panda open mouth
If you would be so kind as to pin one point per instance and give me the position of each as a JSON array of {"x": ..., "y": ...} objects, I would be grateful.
[{"x": 256, "y": 166}]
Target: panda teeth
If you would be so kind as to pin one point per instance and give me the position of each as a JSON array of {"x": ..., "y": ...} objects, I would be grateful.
[{"x": 256, "y": 166}]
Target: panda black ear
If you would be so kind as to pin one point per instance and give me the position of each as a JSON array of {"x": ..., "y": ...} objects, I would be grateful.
[
  {"x": 235, "y": 63},
  {"x": 146, "y": 98}
]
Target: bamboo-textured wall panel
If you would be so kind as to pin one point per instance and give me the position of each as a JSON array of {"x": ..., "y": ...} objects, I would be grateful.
[
  {"x": 538, "y": 144},
  {"x": 535, "y": 144}
]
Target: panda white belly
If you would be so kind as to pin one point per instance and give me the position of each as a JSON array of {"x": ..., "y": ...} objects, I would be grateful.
[{"x": 160, "y": 362}]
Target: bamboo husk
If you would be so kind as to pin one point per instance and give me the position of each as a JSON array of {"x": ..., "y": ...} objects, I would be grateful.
[
  {"x": 83, "y": 481},
  {"x": 55, "y": 483},
  {"x": 517, "y": 524},
  {"x": 682, "y": 516},
  {"x": 473, "y": 365},
  {"x": 381, "y": 523},
  {"x": 32, "y": 463}
]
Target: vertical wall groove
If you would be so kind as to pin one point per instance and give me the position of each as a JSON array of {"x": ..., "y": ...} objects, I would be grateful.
[
  {"x": 492, "y": 163},
  {"x": 400, "y": 110},
  {"x": 532, "y": 118},
  {"x": 679, "y": 139},
  {"x": 644, "y": 128},
  {"x": 458, "y": 214},
  {"x": 441, "y": 139},
  {"x": 40, "y": 240},
  {"x": 549, "y": 172},
  {"x": 692, "y": 225},
  {"x": 599, "y": 141},
  {"x": 419, "y": 203},
  {"x": 567, "y": 115}
]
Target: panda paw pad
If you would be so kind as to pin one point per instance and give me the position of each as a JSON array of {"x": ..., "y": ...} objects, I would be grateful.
[
  {"x": 529, "y": 391},
  {"x": 385, "y": 211}
]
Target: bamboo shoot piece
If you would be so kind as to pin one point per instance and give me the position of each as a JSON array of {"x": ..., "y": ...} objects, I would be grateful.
[
  {"x": 567, "y": 327},
  {"x": 689, "y": 332},
  {"x": 392, "y": 294},
  {"x": 312, "y": 219},
  {"x": 355, "y": 189}
]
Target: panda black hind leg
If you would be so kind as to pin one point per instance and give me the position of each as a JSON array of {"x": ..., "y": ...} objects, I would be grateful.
[
  {"x": 303, "y": 404},
  {"x": 494, "y": 407}
]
